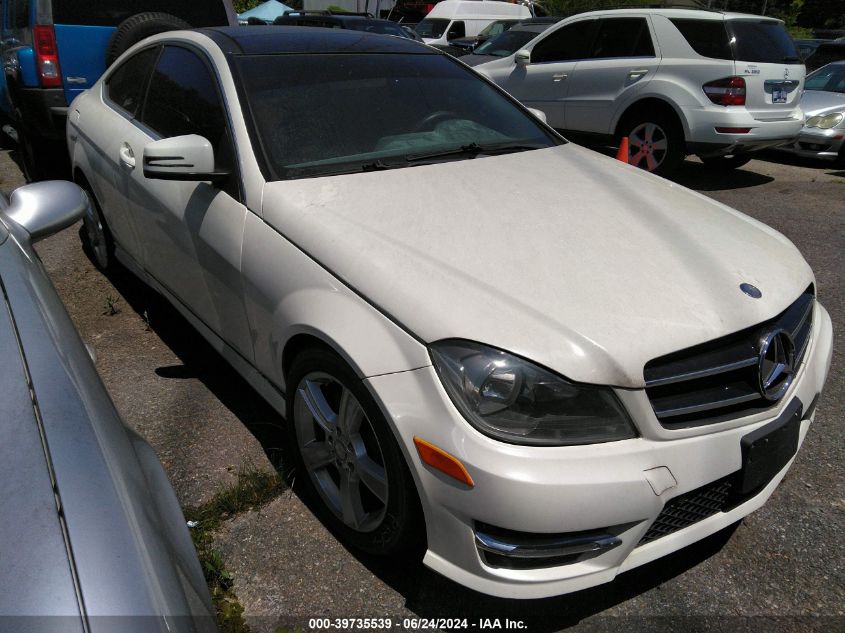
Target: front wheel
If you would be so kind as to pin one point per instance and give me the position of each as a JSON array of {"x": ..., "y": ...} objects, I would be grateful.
[
  {"x": 655, "y": 143},
  {"x": 96, "y": 236},
  {"x": 352, "y": 464}
]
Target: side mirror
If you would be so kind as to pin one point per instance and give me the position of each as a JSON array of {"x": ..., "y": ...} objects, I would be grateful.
[
  {"x": 522, "y": 57},
  {"x": 44, "y": 208},
  {"x": 189, "y": 157},
  {"x": 452, "y": 35},
  {"x": 539, "y": 114}
]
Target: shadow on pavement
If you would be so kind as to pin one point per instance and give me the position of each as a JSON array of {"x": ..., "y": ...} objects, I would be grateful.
[
  {"x": 698, "y": 176},
  {"x": 201, "y": 361}
]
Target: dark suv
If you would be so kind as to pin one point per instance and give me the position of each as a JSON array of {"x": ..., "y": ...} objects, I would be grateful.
[
  {"x": 54, "y": 49},
  {"x": 335, "y": 20}
]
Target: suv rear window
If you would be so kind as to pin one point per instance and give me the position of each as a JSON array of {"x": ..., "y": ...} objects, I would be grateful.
[
  {"x": 708, "y": 38},
  {"x": 112, "y": 12},
  {"x": 764, "y": 41}
]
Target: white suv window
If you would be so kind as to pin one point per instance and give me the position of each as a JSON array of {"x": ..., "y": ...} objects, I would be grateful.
[
  {"x": 622, "y": 37},
  {"x": 570, "y": 42}
]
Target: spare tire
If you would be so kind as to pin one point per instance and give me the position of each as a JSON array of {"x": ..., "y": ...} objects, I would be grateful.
[{"x": 137, "y": 27}]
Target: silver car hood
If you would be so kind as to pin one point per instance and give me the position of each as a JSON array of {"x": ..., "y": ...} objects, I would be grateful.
[
  {"x": 815, "y": 102},
  {"x": 576, "y": 261}
]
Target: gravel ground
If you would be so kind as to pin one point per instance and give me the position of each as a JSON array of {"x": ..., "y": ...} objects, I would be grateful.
[{"x": 782, "y": 569}]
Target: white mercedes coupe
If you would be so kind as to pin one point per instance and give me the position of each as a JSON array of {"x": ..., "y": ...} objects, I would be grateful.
[{"x": 548, "y": 366}]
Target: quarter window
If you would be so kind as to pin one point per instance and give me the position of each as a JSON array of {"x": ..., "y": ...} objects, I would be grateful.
[
  {"x": 571, "y": 42},
  {"x": 622, "y": 37},
  {"x": 708, "y": 38},
  {"x": 125, "y": 87}
]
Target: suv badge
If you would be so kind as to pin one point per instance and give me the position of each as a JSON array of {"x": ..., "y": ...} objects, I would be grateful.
[
  {"x": 776, "y": 365},
  {"x": 751, "y": 291}
]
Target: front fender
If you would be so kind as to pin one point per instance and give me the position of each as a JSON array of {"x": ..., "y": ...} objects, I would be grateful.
[{"x": 289, "y": 294}]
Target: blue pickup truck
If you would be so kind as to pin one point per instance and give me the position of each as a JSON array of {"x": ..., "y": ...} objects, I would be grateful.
[{"x": 54, "y": 49}]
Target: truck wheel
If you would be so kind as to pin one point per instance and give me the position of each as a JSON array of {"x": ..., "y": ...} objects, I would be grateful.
[{"x": 137, "y": 27}]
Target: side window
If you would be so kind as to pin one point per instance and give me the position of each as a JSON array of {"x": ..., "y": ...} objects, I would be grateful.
[
  {"x": 708, "y": 38},
  {"x": 125, "y": 87},
  {"x": 456, "y": 29},
  {"x": 568, "y": 43},
  {"x": 183, "y": 98},
  {"x": 623, "y": 37}
]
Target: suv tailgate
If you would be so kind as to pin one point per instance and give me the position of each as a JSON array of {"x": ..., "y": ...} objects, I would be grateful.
[{"x": 768, "y": 61}]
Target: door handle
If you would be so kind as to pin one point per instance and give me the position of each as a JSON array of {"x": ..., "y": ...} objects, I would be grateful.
[
  {"x": 638, "y": 72},
  {"x": 127, "y": 156},
  {"x": 559, "y": 77}
]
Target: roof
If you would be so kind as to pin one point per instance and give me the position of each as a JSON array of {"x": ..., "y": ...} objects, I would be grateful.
[{"x": 263, "y": 40}]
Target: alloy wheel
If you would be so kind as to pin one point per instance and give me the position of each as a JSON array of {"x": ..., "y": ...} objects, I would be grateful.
[
  {"x": 96, "y": 235},
  {"x": 648, "y": 145},
  {"x": 340, "y": 451}
]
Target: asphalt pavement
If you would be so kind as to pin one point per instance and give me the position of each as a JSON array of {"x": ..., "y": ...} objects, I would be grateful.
[{"x": 781, "y": 569}]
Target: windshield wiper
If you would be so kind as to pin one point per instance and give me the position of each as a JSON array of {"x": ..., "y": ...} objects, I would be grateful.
[{"x": 473, "y": 150}]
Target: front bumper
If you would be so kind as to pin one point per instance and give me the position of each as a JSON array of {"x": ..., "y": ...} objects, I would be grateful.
[
  {"x": 705, "y": 140},
  {"x": 816, "y": 143},
  {"x": 618, "y": 488}
]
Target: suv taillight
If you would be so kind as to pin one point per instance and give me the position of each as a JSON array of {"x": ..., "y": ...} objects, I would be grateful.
[
  {"x": 729, "y": 91},
  {"x": 47, "y": 56}
]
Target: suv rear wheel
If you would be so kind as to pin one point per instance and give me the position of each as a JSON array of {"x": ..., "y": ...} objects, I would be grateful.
[{"x": 655, "y": 142}]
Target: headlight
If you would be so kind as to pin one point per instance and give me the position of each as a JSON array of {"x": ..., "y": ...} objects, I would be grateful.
[
  {"x": 825, "y": 122},
  {"x": 516, "y": 401}
]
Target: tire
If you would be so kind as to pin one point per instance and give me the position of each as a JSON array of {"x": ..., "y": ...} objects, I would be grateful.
[
  {"x": 725, "y": 163},
  {"x": 347, "y": 458},
  {"x": 97, "y": 241},
  {"x": 655, "y": 142},
  {"x": 137, "y": 27}
]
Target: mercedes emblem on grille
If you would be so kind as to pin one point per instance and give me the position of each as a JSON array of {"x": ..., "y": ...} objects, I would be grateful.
[
  {"x": 776, "y": 365},
  {"x": 752, "y": 291}
]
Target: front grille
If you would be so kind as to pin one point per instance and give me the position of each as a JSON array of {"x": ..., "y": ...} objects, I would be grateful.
[
  {"x": 689, "y": 508},
  {"x": 719, "y": 380}
]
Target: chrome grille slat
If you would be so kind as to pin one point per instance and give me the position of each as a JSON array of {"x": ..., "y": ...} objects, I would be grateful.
[{"x": 719, "y": 380}]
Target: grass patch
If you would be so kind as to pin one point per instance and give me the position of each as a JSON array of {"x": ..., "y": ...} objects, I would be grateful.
[{"x": 253, "y": 488}]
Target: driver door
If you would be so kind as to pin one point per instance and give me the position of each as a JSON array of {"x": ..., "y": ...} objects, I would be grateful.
[{"x": 190, "y": 233}]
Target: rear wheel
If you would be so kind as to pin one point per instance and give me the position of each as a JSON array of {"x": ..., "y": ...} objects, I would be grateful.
[
  {"x": 96, "y": 236},
  {"x": 725, "y": 162},
  {"x": 655, "y": 142},
  {"x": 348, "y": 458}
]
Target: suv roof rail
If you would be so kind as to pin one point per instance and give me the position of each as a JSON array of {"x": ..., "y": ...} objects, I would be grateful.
[{"x": 700, "y": 5}]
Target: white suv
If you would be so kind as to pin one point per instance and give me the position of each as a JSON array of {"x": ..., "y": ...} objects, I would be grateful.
[{"x": 674, "y": 81}]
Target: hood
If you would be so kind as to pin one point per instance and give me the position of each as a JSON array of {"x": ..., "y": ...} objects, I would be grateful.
[
  {"x": 474, "y": 60},
  {"x": 564, "y": 256},
  {"x": 815, "y": 102}
]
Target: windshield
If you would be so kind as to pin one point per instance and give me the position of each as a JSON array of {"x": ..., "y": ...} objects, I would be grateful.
[
  {"x": 495, "y": 28},
  {"x": 339, "y": 113},
  {"x": 433, "y": 29},
  {"x": 385, "y": 28},
  {"x": 762, "y": 41},
  {"x": 829, "y": 78},
  {"x": 505, "y": 44}
]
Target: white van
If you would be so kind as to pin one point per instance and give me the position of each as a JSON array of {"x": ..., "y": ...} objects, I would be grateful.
[{"x": 452, "y": 19}]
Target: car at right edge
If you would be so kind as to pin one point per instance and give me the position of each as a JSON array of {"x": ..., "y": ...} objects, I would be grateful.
[
  {"x": 673, "y": 81},
  {"x": 823, "y": 135}
]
